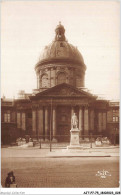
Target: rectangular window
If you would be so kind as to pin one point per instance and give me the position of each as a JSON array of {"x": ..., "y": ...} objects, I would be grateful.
[
  {"x": 115, "y": 112},
  {"x": 114, "y": 118},
  {"x": 7, "y": 117}
]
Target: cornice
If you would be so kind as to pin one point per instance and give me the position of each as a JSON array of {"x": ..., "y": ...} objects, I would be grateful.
[{"x": 64, "y": 61}]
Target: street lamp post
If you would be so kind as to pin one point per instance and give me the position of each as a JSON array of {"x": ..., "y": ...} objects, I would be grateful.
[{"x": 50, "y": 125}]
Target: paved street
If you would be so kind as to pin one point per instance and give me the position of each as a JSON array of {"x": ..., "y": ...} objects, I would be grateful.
[{"x": 33, "y": 171}]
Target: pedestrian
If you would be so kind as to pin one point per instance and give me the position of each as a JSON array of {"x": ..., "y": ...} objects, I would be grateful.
[{"x": 10, "y": 180}]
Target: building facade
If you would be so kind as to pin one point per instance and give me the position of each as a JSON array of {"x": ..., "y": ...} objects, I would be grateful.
[{"x": 60, "y": 92}]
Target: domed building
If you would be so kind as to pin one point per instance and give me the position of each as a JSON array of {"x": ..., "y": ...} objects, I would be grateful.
[
  {"x": 60, "y": 62},
  {"x": 60, "y": 81},
  {"x": 47, "y": 113}
]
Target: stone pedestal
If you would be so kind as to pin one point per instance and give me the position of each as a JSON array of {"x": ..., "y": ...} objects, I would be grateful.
[
  {"x": 54, "y": 140},
  {"x": 74, "y": 141},
  {"x": 47, "y": 140},
  {"x": 42, "y": 140}
]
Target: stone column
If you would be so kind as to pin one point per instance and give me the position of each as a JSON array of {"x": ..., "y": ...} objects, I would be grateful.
[
  {"x": 46, "y": 124},
  {"x": 72, "y": 112},
  {"x": 40, "y": 81},
  {"x": 18, "y": 120},
  {"x": 37, "y": 81},
  {"x": 86, "y": 121},
  {"x": 23, "y": 121},
  {"x": 104, "y": 121},
  {"x": 34, "y": 122},
  {"x": 53, "y": 74},
  {"x": 49, "y": 77},
  {"x": 99, "y": 122},
  {"x": 80, "y": 119},
  {"x": 55, "y": 82},
  {"x": 52, "y": 77},
  {"x": 92, "y": 120},
  {"x": 40, "y": 122},
  {"x": 54, "y": 125}
]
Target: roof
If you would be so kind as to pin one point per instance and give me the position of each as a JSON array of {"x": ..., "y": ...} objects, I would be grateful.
[
  {"x": 60, "y": 50},
  {"x": 63, "y": 90}
]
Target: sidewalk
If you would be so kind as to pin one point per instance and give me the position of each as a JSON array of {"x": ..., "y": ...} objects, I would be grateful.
[
  {"x": 63, "y": 145},
  {"x": 109, "y": 151},
  {"x": 36, "y": 152}
]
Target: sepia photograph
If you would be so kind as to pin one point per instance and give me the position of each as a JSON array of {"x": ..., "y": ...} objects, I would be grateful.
[{"x": 60, "y": 97}]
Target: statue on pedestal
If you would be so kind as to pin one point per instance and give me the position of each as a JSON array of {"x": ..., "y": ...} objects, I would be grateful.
[
  {"x": 74, "y": 137},
  {"x": 74, "y": 121}
]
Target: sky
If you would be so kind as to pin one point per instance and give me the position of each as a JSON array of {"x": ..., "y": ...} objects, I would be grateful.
[{"x": 92, "y": 26}]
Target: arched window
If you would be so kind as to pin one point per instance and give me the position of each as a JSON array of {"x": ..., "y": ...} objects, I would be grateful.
[
  {"x": 45, "y": 80},
  {"x": 61, "y": 78}
]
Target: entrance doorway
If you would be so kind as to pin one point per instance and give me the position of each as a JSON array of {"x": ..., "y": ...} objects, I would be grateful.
[{"x": 63, "y": 123}]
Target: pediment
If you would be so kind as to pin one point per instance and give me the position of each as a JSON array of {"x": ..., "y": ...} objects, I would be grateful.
[{"x": 63, "y": 90}]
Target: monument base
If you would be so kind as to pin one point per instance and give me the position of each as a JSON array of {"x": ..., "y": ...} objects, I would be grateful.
[
  {"x": 74, "y": 141},
  {"x": 74, "y": 147},
  {"x": 47, "y": 140},
  {"x": 54, "y": 140}
]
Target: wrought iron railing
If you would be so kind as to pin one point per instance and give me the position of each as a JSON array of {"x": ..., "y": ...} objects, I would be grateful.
[{"x": 51, "y": 143}]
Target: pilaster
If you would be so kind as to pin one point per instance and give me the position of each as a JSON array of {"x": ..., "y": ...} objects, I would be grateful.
[
  {"x": 80, "y": 119},
  {"x": 86, "y": 121},
  {"x": 34, "y": 122},
  {"x": 40, "y": 122},
  {"x": 54, "y": 124},
  {"x": 46, "y": 124}
]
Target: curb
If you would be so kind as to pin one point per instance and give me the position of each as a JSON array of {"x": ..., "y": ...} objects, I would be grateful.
[
  {"x": 75, "y": 156},
  {"x": 63, "y": 147}
]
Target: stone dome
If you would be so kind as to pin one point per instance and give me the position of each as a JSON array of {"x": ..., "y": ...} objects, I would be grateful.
[
  {"x": 60, "y": 62},
  {"x": 60, "y": 50}
]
